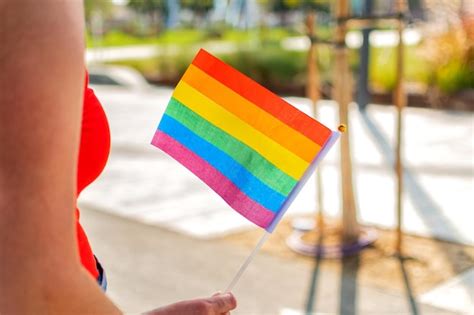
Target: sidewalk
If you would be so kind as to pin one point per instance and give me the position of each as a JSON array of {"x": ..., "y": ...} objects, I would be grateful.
[
  {"x": 142, "y": 183},
  {"x": 148, "y": 267}
]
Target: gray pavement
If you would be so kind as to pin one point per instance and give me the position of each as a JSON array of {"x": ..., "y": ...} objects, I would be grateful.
[
  {"x": 149, "y": 266},
  {"x": 143, "y": 183}
]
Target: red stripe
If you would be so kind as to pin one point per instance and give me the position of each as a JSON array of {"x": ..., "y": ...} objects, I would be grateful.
[
  {"x": 238, "y": 200},
  {"x": 262, "y": 97}
]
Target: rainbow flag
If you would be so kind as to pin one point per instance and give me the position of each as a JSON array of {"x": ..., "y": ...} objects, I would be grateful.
[{"x": 250, "y": 146}]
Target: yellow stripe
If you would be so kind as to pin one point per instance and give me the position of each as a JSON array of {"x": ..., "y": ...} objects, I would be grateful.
[
  {"x": 251, "y": 114},
  {"x": 279, "y": 156}
]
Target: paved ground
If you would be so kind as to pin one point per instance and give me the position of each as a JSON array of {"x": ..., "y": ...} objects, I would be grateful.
[
  {"x": 453, "y": 294},
  {"x": 148, "y": 266},
  {"x": 142, "y": 183}
]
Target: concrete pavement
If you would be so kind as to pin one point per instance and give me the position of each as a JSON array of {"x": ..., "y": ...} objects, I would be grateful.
[
  {"x": 142, "y": 183},
  {"x": 148, "y": 267}
]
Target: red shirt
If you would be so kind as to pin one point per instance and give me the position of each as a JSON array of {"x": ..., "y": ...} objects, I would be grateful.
[{"x": 93, "y": 154}]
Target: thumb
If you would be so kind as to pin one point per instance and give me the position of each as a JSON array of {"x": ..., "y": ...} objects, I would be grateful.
[{"x": 222, "y": 303}]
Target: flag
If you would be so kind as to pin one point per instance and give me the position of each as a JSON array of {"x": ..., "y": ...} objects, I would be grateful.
[{"x": 250, "y": 146}]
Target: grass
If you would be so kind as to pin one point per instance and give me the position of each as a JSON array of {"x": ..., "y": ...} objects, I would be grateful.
[
  {"x": 455, "y": 76},
  {"x": 261, "y": 57},
  {"x": 382, "y": 70},
  {"x": 272, "y": 65},
  {"x": 181, "y": 37},
  {"x": 176, "y": 37},
  {"x": 190, "y": 36},
  {"x": 116, "y": 38}
]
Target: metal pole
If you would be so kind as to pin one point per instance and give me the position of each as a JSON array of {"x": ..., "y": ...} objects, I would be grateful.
[
  {"x": 400, "y": 102},
  {"x": 363, "y": 96},
  {"x": 342, "y": 93},
  {"x": 312, "y": 92}
]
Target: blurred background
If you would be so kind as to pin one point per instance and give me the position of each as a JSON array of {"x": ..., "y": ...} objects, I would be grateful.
[
  {"x": 265, "y": 40},
  {"x": 165, "y": 236}
]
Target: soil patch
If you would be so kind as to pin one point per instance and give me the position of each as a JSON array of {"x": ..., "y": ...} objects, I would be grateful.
[{"x": 428, "y": 262}]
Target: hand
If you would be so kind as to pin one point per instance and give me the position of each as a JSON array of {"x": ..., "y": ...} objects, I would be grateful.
[{"x": 218, "y": 304}]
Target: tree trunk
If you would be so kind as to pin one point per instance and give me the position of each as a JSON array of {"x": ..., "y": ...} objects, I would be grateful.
[{"x": 342, "y": 94}]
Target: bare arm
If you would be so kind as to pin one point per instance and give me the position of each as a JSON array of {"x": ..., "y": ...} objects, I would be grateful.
[
  {"x": 41, "y": 90},
  {"x": 41, "y": 86}
]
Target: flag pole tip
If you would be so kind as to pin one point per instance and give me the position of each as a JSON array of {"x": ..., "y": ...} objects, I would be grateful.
[{"x": 342, "y": 128}]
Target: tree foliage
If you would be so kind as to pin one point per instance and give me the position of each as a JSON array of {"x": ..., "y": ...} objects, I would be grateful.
[
  {"x": 103, "y": 6},
  {"x": 289, "y": 5},
  {"x": 147, "y": 6},
  {"x": 198, "y": 5}
]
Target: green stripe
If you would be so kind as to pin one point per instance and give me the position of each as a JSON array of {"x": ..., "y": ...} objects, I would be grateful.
[{"x": 266, "y": 172}]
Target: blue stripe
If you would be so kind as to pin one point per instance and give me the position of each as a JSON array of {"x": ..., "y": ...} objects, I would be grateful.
[{"x": 243, "y": 179}]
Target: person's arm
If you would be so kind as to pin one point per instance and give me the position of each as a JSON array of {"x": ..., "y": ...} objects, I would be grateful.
[
  {"x": 41, "y": 90},
  {"x": 41, "y": 87}
]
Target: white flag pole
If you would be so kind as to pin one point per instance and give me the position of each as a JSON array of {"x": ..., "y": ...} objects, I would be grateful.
[
  {"x": 247, "y": 262},
  {"x": 324, "y": 150}
]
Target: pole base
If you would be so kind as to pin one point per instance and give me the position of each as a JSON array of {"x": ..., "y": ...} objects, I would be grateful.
[{"x": 307, "y": 239}]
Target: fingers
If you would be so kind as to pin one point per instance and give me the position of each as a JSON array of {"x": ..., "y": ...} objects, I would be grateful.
[
  {"x": 223, "y": 303},
  {"x": 218, "y": 304}
]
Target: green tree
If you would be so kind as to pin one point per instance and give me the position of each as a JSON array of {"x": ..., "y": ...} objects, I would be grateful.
[
  {"x": 288, "y": 5},
  {"x": 154, "y": 9},
  {"x": 283, "y": 7},
  {"x": 147, "y": 6},
  {"x": 103, "y": 6},
  {"x": 198, "y": 6}
]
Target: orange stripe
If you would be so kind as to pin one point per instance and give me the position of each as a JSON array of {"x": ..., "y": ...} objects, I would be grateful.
[
  {"x": 251, "y": 114},
  {"x": 262, "y": 97},
  {"x": 281, "y": 157}
]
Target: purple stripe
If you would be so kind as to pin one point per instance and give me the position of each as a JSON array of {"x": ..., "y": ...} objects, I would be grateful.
[{"x": 238, "y": 200}]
